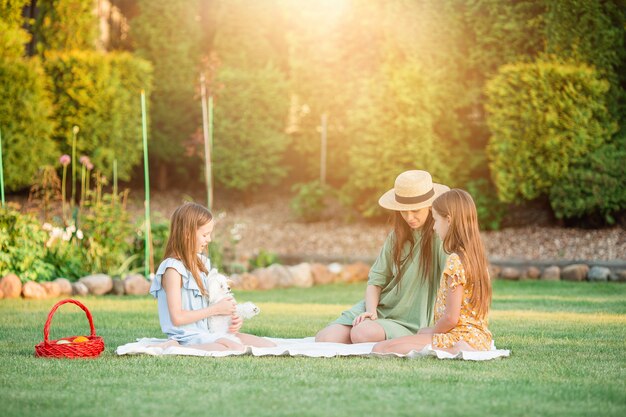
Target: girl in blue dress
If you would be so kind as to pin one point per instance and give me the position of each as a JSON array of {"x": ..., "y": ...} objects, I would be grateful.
[{"x": 180, "y": 287}]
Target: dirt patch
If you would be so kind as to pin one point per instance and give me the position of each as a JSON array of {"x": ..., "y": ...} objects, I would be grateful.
[{"x": 267, "y": 223}]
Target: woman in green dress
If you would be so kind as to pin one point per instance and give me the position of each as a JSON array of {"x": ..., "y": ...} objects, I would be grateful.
[{"x": 403, "y": 282}]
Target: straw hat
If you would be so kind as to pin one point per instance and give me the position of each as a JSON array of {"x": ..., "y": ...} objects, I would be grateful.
[{"x": 412, "y": 190}]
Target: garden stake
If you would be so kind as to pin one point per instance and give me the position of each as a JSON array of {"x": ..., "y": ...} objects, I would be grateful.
[
  {"x": 1, "y": 172},
  {"x": 64, "y": 162},
  {"x": 75, "y": 131},
  {"x": 114, "y": 179},
  {"x": 323, "y": 150},
  {"x": 148, "y": 263},
  {"x": 207, "y": 133},
  {"x": 82, "y": 185}
]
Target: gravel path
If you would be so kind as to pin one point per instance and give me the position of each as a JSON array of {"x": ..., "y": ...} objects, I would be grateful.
[{"x": 270, "y": 225}]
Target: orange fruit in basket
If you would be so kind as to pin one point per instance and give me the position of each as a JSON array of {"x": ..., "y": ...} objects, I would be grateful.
[{"x": 80, "y": 339}]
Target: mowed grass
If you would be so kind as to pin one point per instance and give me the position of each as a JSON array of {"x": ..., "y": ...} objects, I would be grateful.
[{"x": 567, "y": 340}]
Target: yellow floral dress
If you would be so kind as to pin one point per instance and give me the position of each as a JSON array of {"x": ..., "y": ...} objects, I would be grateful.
[{"x": 470, "y": 328}]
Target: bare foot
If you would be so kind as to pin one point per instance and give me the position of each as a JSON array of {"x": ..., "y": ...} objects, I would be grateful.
[{"x": 165, "y": 345}]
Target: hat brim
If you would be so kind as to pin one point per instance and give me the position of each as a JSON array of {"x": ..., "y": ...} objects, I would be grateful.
[{"x": 388, "y": 200}]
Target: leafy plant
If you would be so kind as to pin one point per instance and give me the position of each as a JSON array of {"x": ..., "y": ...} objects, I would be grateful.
[
  {"x": 595, "y": 186},
  {"x": 263, "y": 259},
  {"x": 68, "y": 259},
  {"x": 490, "y": 210},
  {"x": 46, "y": 189},
  {"x": 160, "y": 231},
  {"x": 308, "y": 203},
  {"x": 23, "y": 246},
  {"x": 108, "y": 230}
]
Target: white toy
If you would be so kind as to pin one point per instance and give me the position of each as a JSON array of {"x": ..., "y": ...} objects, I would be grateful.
[{"x": 218, "y": 289}]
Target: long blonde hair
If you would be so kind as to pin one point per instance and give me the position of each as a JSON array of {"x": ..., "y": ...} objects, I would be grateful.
[
  {"x": 463, "y": 238},
  {"x": 181, "y": 244}
]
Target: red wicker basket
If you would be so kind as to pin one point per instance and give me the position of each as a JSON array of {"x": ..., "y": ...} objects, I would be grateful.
[{"x": 50, "y": 349}]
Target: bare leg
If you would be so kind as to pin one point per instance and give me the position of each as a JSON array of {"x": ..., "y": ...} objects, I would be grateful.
[
  {"x": 335, "y": 333},
  {"x": 256, "y": 341},
  {"x": 367, "y": 331},
  {"x": 219, "y": 345},
  {"x": 459, "y": 346},
  {"x": 403, "y": 344}
]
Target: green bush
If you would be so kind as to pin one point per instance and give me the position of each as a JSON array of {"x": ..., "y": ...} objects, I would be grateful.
[
  {"x": 490, "y": 210},
  {"x": 101, "y": 95},
  {"x": 23, "y": 246},
  {"x": 160, "y": 231},
  {"x": 65, "y": 253},
  {"x": 543, "y": 116},
  {"x": 308, "y": 203},
  {"x": 250, "y": 141},
  {"x": 25, "y": 122},
  {"x": 66, "y": 25},
  {"x": 12, "y": 36},
  {"x": 262, "y": 259},
  {"x": 216, "y": 255},
  {"x": 595, "y": 186},
  {"x": 108, "y": 235},
  {"x": 592, "y": 32}
]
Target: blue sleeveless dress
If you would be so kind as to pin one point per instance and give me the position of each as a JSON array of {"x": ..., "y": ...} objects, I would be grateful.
[{"x": 191, "y": 299}]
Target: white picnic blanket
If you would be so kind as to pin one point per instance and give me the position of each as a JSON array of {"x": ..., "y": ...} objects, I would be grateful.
[{"x": 302, "y": 347}]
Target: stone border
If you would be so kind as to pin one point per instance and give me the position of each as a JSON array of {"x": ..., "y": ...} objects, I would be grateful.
[{"x": 304, "y": 275}]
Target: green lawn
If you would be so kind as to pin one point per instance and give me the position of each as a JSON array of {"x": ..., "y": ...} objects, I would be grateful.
[{"x": 568, "y": 358}]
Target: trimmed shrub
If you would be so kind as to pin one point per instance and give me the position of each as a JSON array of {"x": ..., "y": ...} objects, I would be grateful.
[
  {"x": 12, "y": 36},
  {"x": 24, "y": 121},
  {"x": 101, "y": 95},
  {"x": 595, "y": 186},
  {"x": 66, "y": 25},
  {"x": 543, "y": 116},
  {"x": 249, "y": 128}
]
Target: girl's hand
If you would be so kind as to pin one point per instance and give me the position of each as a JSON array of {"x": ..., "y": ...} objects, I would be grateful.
[
  {"x": 236, "y": 323},
  {"x": 363, "y": 316},
  {"x": 225, "y": 307}
]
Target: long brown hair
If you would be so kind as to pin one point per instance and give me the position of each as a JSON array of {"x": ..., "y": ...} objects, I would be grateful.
[
  {"x": 403, "y": 233},
  {"x": 181, "y": 244},
  {"x": 463, "y": 238}
]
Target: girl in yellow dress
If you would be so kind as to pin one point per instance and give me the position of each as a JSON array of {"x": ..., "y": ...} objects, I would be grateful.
[{"x": 464, "y": 294}]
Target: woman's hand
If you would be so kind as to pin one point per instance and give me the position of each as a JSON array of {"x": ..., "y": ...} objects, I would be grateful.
[
  {"x": 225, "y": 307},
  {"x": 235, "y": 324},
  {"x": 363, "y": 316},
  {"x": 426, "y": 330}
]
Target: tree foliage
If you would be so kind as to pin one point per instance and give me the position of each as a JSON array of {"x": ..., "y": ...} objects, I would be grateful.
[
  {"x": 249, "y": 128},
  {"x": 167, "y": 34}
]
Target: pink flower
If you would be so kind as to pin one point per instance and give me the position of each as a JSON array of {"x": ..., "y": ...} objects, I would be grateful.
[
  {"x": 65, "y": 160},
  {"x": 89, "y": 166},
  {"x": 84, "y": 160}
]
